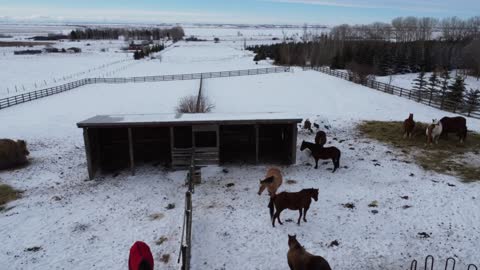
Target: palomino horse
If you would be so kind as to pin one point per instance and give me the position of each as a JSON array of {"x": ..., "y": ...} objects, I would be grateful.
[
  {"x": 433, "y": 131},
  {"x": 273, "y": 180},
  {"x": 299, "y": 259},
  {"x": 408, "y": 126},
  {"x": 320, "y": 152},
  {"x": 455, "y": 124},
  {"x": 293, "y": 201}
]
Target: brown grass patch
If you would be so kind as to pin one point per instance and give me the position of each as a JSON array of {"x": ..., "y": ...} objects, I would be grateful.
[
  {"x": 448, "y": 157},
  {"x": 7, "y": 194}
]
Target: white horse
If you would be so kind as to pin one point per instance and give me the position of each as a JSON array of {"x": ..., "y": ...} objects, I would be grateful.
[{"x": 433, "y": 131}]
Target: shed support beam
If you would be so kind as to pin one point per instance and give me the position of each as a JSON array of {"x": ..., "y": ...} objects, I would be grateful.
[
  {"x": 130, "y": 148},
  {"x": 257, "y": 145},
  {"x": 294, "y": 143},
  {"x": 88, "y": 153},
  {"x": 172, "y": 144}
]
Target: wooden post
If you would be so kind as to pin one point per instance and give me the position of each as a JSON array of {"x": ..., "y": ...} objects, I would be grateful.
[
  {"x": 91, "y": 171},
  {"x": 257, "y": 146},
  {"x": 294, "y": 143},
  {"x": 130, "y": 147},
  {"x": 172, "y": 145}
]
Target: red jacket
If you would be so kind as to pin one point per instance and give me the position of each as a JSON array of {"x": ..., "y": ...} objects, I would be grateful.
[{"x": 140, "y": 252}]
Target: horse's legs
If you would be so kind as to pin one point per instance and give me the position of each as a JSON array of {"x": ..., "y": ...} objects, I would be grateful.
[
  {"x": 316, "y": 163},
  {"x": 300, "y": 216},
  {"x": 278, "y": 217},
  {"x": 334, "y": 165},
  {"x": 305, "y": 214},
  {"x": 273, "y": 219}
]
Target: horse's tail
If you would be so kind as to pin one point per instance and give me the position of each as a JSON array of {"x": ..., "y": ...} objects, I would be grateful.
[
  {"x": 271, "y": 206},
  {"x": 337, "y": 162}
]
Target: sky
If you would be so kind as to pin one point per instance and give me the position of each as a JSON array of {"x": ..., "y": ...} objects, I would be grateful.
[{"x": 326, "y": 12}]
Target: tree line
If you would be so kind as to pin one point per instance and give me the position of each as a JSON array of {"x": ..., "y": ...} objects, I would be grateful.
[
  {"x": 406, "y": 29},
  {"x": 175, "y": 33},
  {"x": 147, "y": 50}
]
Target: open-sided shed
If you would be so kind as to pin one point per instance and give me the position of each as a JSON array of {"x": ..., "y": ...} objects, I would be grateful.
[{"x": 120, "y": 141}]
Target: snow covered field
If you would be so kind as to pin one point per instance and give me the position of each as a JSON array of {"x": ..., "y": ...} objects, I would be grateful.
[
  {"x": 32, "y": 72},
  {"x": 83, "y": 224}
]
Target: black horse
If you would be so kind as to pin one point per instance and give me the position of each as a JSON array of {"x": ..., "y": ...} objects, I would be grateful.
[{"x": 320, "y": 152}]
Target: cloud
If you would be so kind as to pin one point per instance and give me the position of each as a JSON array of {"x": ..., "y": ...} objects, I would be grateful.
[{"x": 408, "y": 5}]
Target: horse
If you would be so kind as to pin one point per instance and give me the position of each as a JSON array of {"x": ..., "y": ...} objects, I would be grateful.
[
  {"x": 433, "y": 131},
  {"x": 408, "y": 126},
  {"x": 320, "y": 152},
  {"x": 455, "y": 124},
  {"x": 321, "y": 138},
  {"x": 294, "y": 201},
  {"x": 299, "y": 259},
  {"x": 273, "y": 180},
  {"x": 307, "y": 125},
  {"x": 13, "y": 153}
]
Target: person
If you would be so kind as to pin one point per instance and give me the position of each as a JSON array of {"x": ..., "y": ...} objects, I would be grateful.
[{"x": 140, "y": 257}]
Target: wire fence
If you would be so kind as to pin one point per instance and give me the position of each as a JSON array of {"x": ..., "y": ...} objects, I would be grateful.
[
  {"x": 450, "y": 264},
  {"x": 29, "y": 96},
  {"x": 435, "y": 99}
]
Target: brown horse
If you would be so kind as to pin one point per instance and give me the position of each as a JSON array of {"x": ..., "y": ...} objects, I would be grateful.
[
  {"x": 455, "y": 125},
  {"x": 321, "y": 138},
  {"x": 13, "y": 153},
  {"x": 408, "y": 126},
  {"x": 273, "y": 180},
  {"x": 320, "y": 152},
  {"x": 293, "y": 201},
  {"x": 299, "y": 259}
]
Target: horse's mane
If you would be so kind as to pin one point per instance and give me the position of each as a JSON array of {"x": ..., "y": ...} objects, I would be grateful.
[{"x": 268, "y": 180}]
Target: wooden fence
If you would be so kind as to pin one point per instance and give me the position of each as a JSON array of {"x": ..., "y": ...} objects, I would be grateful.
[
  {"x": 26, "y": 97},
  {"x": 185, "y": 255},
  {"x": 433, "y": 99}
]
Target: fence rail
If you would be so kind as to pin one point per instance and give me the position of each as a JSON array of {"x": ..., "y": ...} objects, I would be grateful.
[
  {"x": 26, "y": 97},
  {"x": 432, "y": 99}
]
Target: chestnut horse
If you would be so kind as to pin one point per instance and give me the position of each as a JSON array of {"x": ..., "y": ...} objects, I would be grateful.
[
  {"x": 408, "y": 126},
  {"x": 433, "y": 131},
  {"x": 299, "y": 259},
  {"x": 320, "y": 152},
  {"x": 293, "y": 201},
  {"x": 455, "y": 125},
  {"x": 273, "y": 180}
]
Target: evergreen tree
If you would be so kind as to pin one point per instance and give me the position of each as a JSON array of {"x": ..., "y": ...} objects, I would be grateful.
[
  {"x": 433, "y": 83},
  {"x": 455, "y": 92},
  {"x": 420, "y": 85},
  {"x": 472, "y": 100}
]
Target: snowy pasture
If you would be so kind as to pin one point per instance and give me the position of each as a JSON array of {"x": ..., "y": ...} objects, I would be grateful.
[
  {"x": 24, "y": 73},
  {"x": 82, "y": 224}
]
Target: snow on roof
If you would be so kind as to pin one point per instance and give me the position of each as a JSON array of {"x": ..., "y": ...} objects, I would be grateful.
[{"x": 186, "y": 118}]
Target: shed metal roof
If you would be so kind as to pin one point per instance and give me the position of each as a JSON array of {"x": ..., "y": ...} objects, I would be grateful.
[{"x": 124, "y": 120}]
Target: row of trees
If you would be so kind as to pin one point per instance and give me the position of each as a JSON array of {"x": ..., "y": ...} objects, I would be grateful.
[
  {"x": 439, "y": 84},
  {"x": 376, "y": 57},
  {"x": 406, "y": 29},
  {"x": 175, "y": 33},
  {"x": 147, "y": 50}
]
